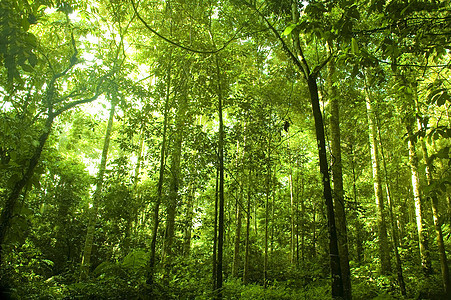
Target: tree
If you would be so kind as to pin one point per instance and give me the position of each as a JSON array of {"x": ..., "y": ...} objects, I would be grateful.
[
  {"x": 54, "y": 105},
  {"x": 86, "y": 259},
  {"x": 377, "y": 181}
]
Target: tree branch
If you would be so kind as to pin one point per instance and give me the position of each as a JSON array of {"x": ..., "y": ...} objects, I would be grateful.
[
  {"x": 72, "y": 104},
  {"x": 177, "y": 44},
  {"x": 282, "y": 41}
]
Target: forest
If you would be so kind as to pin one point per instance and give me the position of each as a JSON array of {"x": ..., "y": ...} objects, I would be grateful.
[{"x": 225, "y": 149}]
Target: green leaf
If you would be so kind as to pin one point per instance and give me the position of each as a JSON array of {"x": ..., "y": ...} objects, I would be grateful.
[
  {"x": 432, "y": 97},
  {"x": 136, "y": 259},
  {"x": 354, "y": 46},
  {"x": 443, "y": 98},
  {"x": 289, "y": 29},
  {"x": 27, "y": 68},
  {"x": 32, "y": 59},
  {"x": 25, "y": 24}
]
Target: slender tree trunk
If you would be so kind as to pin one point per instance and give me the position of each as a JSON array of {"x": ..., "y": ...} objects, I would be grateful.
[
  {"x": 384, "y": 250},
  {"x": 156, "y": 208},
  {"x": 135, "y": 197},
  {"x": 435, "y": 215},
  {"x": 337, "y": 175},
  {"x": 221, "y": 183},
  {"x": 394, "y": 228},
  {"x": 314, "y": 235},
  {"x": 271, "y": 223},
  {"x": 49, "y": 100},
  {"x": 311, "y": 76},
  {"x": 424, "y": 248},
  {"x": 268, "y": 191},
  {"x": 337, "y": 280},
  {"x": 422, "y": 235},
  {"x": 248, "y": 229},
  {"x": 238, "y": 203},
  {"x": 215, "y": 234},
  {"x": 86, "y": 259},
  {"x": 11, "y": 201},
  {"x": 189, "y": 222},
  {"x": 409, "y": 121},
  {"x": 236, "y": 251},
  {"x": 292, "y": 222},
  {"x": 358, "y": 231},
  {"x": 335, "y": 266},
  {"x": 175, "y": 181},
  {"x": 302, "y": 223}
]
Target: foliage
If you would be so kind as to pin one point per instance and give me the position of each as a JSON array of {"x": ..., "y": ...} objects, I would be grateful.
[{"x": 168, "y": 62}]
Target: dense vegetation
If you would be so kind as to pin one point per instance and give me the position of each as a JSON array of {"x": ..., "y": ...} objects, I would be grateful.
[{"x": 232, "y": 149}]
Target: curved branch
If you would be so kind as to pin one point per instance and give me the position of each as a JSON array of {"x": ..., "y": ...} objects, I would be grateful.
[{"x": 177, "y": 44}]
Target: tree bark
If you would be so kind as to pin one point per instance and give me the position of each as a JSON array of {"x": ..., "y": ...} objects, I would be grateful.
[
  {"x": 293, "y": 243},
  {"x": 236, "y": 251},
  {"x": 215, "y": 235},
  {"x": 358, "y": 231},
  {"x": 337, "y": 175},
  {"x": 384, "y": 250},
  {"x": 268, "y": 190},
  {"x": 131, "y": 222},
  {"x": 435, "y": 215},
  {"x": 175, "y": 180},
  {"x": 300, "y": 62},
  {"x": 394, "y": 228},
  {"x": 221, "y": 183},
  {"x": 156, "y": 208},
  {"x": 248, "y": 228},
  {"x": 422, "y": 236},
  {"x": 238, "y": 203},
  {"x": 49, "y": 100},
  {"x": 89, "y": 240},
  {"x": 189, "y": 222},
  {"x": 11, "y": 201},
  {"x": 337, "y": 280}
]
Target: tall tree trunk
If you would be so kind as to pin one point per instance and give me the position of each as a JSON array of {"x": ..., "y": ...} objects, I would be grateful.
[
  {"x": 215, "y": 235},
  {"x": 435, "y": 215},
  {"x": 248, "y": 229},
  {"x": 358, "y": 231},
  {"x": 337, "y": 281},
  {"x": 189, "y": 221},
  {"x": 156, "y": 208},
  {"x": 310, "y": 76},
  {"x": 302, "y": 222},
  {"x": 268, "y": 191},
  {"x": 337, "y": 175},
  {"x": 175, "y": 180},
  {"x": 135, "y": 197},
  {"x": 314, "y": 235},
  {"x": 292, "y": 222},
  {"x": 409, "y": 122},
  {"x": 335, "y": 266},
  {"x": 221, "y": 183},
  {"x": 384, "y": 250},
  {"x": 238, "y": 203},
  {"x": 49, "y": 99},
  {"x": 422, "y": 235},
  {"x": 236, "y": 251},
  {"x": 11, "y": 201},
  {"x": 87, "y": 249},
  {"x": 394, "y": 228}
]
